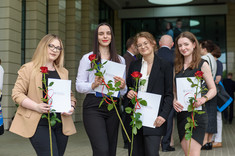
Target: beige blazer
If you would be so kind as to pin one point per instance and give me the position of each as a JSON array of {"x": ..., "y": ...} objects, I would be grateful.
[{"x": 25, "y": 121}]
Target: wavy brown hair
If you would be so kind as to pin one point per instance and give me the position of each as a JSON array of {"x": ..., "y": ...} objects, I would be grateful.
[
  {"x": 179, "y": 58},
  {"x": 112, "y": 48}
]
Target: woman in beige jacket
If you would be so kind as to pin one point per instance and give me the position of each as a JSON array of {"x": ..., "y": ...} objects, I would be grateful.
[{"x": 27, "y": 121}]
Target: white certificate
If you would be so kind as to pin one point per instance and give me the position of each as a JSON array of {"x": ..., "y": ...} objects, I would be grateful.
[
  {"x": 111, "y": 69},
  {"x": 185, "y": 91},
  {"x": 60, "y": 94},
  {"x": 149, "y": 112}
]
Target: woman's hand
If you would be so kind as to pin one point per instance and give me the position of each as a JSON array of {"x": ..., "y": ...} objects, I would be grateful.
[
  {"x": 123, "y": 83},
  {"x": 131, "y": 94},
  {"x": 200, "y": 101},
  {"x": 42, "y": 108},
  {"x": 159, "y": 121},
  {"x": 98, "y": 81},
  {"x": 71, "y": 109},
  {"x": 177, "y": 106}
]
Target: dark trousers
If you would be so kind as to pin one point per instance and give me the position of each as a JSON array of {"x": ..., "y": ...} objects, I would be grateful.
[
  {"x": 166, "y": 140},
  {"x": 41, "y": 140},
  {"x": 228, "y": 113},
  {"x": 146, "y": 145},
  {"x": 101, "y": 127}
]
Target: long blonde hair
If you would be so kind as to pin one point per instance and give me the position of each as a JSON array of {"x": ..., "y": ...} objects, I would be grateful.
[{"x": 40, "y": 55}]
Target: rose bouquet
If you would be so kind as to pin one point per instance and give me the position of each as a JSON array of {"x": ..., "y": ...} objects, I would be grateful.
[
  {"x": 136, "y": 123},
  {"x": 52, "y": 119},
  {"x": 191, "y": 123},
  {"x": 108, "y": 98}
]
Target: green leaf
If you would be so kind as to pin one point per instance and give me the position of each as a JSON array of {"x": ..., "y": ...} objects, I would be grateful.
[
  {"x": 137, "y": 115},
  {"x": 188, "y": 136},
  {"x": 110, "y": 93},
  {"x": 110, "y": 107},
  {"x": 134, "y": 130},
  {"x": 142, "y": 82},
  {"x": 193, "y": 85},
  {"x": 189, "y": 119},
  {"x": 58, "y": 120},
  {"x": 110, "y": 81},
  {"x": 40, "y": 88},
  {"x": 128, "y": 110},
  {"x": 99, "y": 74},
  {"x": 133, "y": 100},
  {"x": 200, "y": 112},
  {"x": 187, "y": 126},
  {"x": 51, "y": 84},
  {"x": 91, "y": 69},
  {"x": 102, "y": 102},
  {"x": 138, "y": 124},
  {"x": 189, "y": 79},
  {"x": 44, "y": 116},
  {"x": 117, "y": 84},
  {"x": 110, "y": 85},
  {"x": 131, "y": 88},
  {"x": 105, "y": 62},
  {"x": 190, "y": 108},
  {"x": 117, "y": 89},
  {"x": 143, "y": 102},
  {"x": 53, "y": 122}
]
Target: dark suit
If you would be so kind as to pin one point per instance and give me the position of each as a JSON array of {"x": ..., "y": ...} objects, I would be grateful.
[
  {"x": 160, "y": 82},
  {"x": 126, "y": 119},
  {"x": 168, "y": 55}
]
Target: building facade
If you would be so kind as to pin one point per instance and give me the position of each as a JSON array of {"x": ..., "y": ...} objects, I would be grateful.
[{"x": 24, "y": 22}]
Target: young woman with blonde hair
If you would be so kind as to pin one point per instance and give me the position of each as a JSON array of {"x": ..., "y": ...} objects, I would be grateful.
[{"x": 27, "y": 121}]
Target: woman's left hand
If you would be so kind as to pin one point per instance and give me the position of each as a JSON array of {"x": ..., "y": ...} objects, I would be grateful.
[
  {"x": 200, "y": 101},
  {"x": 123, "y": 83},
  {"x": 70, "y": 111},
  {"x": 159, "y": 121}
]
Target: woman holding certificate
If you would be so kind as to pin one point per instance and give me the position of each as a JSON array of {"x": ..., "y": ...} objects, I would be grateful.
[
  {"x": 100, "y": 124},
  {"x": 159, "y": 81},
  {"x": 187, "y": 62},
  {"x": 28, "y": 121}
]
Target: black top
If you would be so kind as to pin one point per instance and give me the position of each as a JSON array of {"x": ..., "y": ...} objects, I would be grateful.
[
  {"x": 166, "y": 54},
  {"x": 51, "y": 74},
  {"x": 219, "y": 71}
]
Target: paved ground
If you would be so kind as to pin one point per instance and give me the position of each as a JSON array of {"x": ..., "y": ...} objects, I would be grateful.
[{"x": 13, "y": 145}]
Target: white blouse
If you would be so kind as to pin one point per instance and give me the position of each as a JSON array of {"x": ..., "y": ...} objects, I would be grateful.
[
  {"x": 143, "y": 71},
  {"x": 85, "y": 78}
]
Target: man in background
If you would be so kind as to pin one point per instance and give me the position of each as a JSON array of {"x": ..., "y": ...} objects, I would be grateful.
[
  {"x": 229, "y": 86},
  {"x": 165, "y": 52}
]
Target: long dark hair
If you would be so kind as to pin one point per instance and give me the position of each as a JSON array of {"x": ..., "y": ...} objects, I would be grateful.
[
  {"x": 112, "y": 48},
  {"x": 179, "y": 58}
]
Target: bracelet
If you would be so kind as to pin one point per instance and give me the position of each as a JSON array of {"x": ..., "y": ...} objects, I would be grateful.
[
  {"x": 206, "y": 98},
  {"x": 73, "y": 107}
]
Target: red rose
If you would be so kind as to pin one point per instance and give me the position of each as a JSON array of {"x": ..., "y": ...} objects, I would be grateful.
[
  {"x": 44, "y": 69},
  {"x": 199, "y": 74},
  {"x": 92, "y": 57},
  {"x": 136, "y": 74}
]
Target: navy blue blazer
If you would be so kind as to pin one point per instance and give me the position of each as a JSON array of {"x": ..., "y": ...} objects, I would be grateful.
[
  {"x": 160, "y": 82},
  {"x": 166, "y": 54}
]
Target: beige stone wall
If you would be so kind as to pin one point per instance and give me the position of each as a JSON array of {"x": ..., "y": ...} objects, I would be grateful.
[
  {"x": 10, "y": 52},
  {"x": 231, "y": 38},
  {"x": 35, "y": 25},
  {"x": 118, "y": 32},
  {"x": 73, "y": 46}
]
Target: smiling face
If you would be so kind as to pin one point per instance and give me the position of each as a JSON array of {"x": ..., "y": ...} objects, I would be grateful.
[
  {"x": 104, "y": 35},
  {"x": 186, "y": 47},
  {"x": 53, "y": 50},
  {"x": 144, "y": 46}
]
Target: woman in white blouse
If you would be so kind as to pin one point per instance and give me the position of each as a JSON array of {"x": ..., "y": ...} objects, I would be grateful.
[
  {"x": 159, "y": 80},
  {"x": 101, "y": 125}
]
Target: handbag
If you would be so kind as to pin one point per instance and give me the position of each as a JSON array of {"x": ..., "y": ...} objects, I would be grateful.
[{"x": 223, "y": 98}]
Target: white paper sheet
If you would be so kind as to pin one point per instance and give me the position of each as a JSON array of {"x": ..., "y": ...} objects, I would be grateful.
[
  {"x": 60, "y": 93},
  {"x": 149, "y": 112},
  {"x": 185, "y": 91},
  {"x": 111, "y": 69}
]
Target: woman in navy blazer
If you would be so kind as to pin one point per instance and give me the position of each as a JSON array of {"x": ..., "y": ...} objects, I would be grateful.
[{"x": 159, "y": 80}]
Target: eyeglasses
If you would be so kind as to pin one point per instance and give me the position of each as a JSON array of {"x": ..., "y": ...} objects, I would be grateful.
[
  {"x": 54, "y": 48},
  {"x": 140, "y": 45}
]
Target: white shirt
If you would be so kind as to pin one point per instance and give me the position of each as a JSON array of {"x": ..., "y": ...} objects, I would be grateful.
[
  {"x": 1, "y": 77},
  {"x": 143, "y": 71},
  {"x": 212, "y": 63},
  {"x": 85, "y": 78}
]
